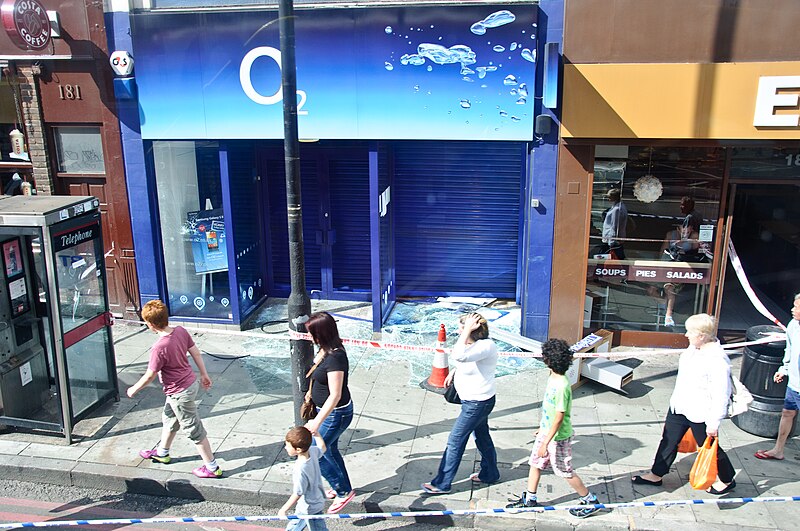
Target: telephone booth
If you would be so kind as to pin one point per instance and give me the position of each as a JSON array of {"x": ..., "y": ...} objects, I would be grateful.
[{"x": 56, "y": 354}]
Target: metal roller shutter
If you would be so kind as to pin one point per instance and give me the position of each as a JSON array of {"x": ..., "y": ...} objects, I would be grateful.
[
  {"x": 279, "y": 231},
  {"x": 349, "y": 196},
  {"x": 457, "y": 217}
]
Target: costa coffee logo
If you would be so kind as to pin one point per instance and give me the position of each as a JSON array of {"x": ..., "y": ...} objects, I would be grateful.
[{"x": 27, "y": 24}]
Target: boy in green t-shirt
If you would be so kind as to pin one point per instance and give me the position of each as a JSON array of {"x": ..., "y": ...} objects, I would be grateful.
[{"x": 553, "y": 445}]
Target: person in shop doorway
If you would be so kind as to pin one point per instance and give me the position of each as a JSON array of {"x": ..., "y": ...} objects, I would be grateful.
[
  {"x": 615, "y": 221},
  {"x": 790, "y": 368},
  {"x": 691, "y": 216},
  {"x": 169, "y": 362}
]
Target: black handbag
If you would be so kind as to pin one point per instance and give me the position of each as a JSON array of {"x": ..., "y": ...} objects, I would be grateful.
[
  {"x": 307, "y": 409},
  {"x": 451, "y": 395}
]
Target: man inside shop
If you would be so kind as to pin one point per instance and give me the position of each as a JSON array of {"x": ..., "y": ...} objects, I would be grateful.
[{"x": 614, "y": 222}]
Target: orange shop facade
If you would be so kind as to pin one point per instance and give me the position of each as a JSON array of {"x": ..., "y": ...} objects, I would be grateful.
[{"x": 697, "y": 154}]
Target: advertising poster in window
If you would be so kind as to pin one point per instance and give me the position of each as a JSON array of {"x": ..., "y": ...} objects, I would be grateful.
[
  {"x": 12, "y": 258},
  {"x": 206, "y": 230}
]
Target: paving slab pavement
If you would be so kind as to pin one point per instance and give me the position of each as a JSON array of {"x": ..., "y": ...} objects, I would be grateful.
[{"x": 396, "y": 439}]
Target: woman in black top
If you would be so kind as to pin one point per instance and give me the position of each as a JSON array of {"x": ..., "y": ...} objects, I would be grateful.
[{"x": 331, "y": 398}]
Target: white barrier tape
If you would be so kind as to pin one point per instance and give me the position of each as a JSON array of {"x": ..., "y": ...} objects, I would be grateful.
[
  {"x": 742, "y": 276},
  {"x": 403, "y": 514},
  {"x": 298, "y": 336}
]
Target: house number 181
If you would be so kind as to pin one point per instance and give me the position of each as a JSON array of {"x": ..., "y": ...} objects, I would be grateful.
[{"x": 69, "y": 92}]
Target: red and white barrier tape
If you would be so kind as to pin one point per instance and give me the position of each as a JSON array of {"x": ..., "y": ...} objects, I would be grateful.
[
  {"x": 292, "y": 335},
  {"x": 742, "y": 276}
]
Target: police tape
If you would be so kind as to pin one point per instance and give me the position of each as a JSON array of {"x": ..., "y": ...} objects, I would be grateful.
[
  {"x": 742, "y": 276},
  {"x": 402, "y": 514},
  {"x": 381, "y": 345}
]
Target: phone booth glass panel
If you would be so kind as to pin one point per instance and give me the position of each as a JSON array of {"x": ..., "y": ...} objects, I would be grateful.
[{"x": 56, "y": 353}]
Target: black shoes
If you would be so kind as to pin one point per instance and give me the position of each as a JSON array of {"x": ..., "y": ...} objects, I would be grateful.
[
  {"x": 715, "y": 492},
  {"x": 639, "y": 480},
  {"x": 522, "y": 502}
]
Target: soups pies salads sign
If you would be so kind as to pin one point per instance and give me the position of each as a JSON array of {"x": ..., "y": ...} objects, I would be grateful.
[{"x": 27, "y": 23}]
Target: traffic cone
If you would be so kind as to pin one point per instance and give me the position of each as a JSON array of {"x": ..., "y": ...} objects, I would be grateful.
[{"x": 440, "y": 370}]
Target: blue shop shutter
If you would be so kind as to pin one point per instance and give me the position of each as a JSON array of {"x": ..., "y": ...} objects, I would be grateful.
[
  {"x": 247, "y": 221},
  {"x": 349, "y": 196},
  {"x": 457, "y": 217},
  {"x": 279, "y": 226}
]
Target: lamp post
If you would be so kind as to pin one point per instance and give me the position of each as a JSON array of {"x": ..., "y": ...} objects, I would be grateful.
[{"x": 299, "y": 305}]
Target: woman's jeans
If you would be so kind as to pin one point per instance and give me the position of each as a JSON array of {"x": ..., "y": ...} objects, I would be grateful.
[
  {"x": 474, "y": 418},
  {"x": 332, "y": 465}
]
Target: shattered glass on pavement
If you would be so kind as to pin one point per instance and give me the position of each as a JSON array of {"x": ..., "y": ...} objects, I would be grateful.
[{"x": 412, "y": 322}]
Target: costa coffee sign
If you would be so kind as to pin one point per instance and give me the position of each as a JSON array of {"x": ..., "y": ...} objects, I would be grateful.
[{"x": 27, "y": 24}]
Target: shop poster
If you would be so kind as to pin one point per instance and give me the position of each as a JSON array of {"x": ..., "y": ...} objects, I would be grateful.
[{"x": 206, "y": 231}]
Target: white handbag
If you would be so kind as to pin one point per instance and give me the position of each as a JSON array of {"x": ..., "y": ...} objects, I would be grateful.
[{"x": 740, "y": 398}]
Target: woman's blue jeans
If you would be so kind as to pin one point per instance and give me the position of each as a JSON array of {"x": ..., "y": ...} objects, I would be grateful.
[
  {"x": 332, "y": 465},
  {"x": 474, "y": 418}
]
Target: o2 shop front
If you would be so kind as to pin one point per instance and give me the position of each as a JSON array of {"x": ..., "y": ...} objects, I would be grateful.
[{"x": 417, "y": 156}]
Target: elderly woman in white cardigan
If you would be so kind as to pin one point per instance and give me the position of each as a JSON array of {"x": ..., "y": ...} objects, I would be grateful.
[{"x": 699, "y": 402}]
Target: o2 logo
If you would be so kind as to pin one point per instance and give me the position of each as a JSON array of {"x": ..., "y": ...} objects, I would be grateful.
[{"x": 247, "y": 82}]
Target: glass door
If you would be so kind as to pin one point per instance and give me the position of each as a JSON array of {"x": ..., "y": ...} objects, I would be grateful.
[
  {"x": 84, "y": 315},
  {"x": 766, "y": 233}
]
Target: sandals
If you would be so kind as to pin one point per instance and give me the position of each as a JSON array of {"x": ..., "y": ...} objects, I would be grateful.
[
  {"x": 340, "y": 502},
  {"x": 761, "y": 454},
  {"x": 476, "y": 480},
  {"x": 428, "y": 488}
]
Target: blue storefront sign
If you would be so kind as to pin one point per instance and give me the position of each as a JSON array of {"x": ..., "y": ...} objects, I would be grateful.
[{"x": 414, "y": 73}]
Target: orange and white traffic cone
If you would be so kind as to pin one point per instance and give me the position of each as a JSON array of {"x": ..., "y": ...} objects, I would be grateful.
[{"x": 440, "y": 370}]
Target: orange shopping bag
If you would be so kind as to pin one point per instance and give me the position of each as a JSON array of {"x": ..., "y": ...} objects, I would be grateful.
[
  {"x": 687, "y": 445},
  {"x": 704, "y": 470}
]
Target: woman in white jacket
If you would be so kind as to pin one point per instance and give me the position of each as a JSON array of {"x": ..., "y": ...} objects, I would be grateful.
[
  {"x": 699, "y": 402},
  {"x": 476, "y": 360}
]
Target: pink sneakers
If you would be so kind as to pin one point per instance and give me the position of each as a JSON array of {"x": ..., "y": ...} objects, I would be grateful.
[
  {"x": 153, "y": 455},
  {"x": 204, "y": 472}
]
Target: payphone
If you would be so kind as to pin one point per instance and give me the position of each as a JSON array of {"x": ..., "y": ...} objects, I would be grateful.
[
  {"x": 56, "y": 354},
  {"x": 23, "y": 369}
]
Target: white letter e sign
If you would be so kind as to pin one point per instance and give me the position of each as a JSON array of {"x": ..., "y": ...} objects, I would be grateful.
[{"x": 768, "y": 98}]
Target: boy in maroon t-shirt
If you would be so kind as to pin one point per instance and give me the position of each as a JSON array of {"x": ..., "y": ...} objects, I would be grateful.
[{"x": 168, "y": 360}]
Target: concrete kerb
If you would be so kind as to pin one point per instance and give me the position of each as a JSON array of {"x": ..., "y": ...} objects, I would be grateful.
[{"x": 115, "y": 478}]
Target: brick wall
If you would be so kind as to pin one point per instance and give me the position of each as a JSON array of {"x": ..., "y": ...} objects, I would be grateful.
[{"x": 34, "y": 128}]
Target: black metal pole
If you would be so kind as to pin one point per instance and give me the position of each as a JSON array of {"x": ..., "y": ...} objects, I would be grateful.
[{"x": 299, "y": 305}]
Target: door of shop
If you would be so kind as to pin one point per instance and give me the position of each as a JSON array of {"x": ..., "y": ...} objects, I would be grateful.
[
  {"x": 765, "y": 230},
  {"x": 336, "y": 225}
]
